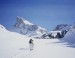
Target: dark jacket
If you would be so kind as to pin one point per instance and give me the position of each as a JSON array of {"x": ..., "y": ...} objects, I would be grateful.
[{"x": 30, "y": 41}]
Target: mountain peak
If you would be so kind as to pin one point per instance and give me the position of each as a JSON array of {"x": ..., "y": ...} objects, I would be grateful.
[
  {"x": 20, "y": 19},
  {"x": 25, "y": 27}
]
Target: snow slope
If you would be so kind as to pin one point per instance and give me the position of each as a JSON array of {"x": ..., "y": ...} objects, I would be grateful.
[
  {"x": 11, "y": 43},
  {"x": 70, "y": 36},
  {"x": 14, "y": 45}
]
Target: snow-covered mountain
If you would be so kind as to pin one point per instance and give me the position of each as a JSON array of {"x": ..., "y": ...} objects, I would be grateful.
[
  {"x": 70, "y": 36},
  {"x": 62, "y": 27},
  {"x": 11, "y": 42},
  {"x": 25, "y": 27}
]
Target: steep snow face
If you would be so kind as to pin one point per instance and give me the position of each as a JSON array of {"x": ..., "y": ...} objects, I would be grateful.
[
  {"x": 25, "y": 27},
  {"x": 70, "y": 36}
]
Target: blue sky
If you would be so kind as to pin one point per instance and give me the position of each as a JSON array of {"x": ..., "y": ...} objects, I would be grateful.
[{"x": 45, "y": 13}]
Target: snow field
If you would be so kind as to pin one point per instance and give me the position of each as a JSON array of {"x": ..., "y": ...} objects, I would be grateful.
[{"x": 14, "y": 45}]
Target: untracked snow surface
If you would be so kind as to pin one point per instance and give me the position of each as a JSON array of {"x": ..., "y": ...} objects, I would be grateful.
[{"x": 14, "y": 45}]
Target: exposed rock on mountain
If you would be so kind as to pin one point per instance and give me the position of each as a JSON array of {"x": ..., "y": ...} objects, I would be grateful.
[{"x": 25, "y": 27}]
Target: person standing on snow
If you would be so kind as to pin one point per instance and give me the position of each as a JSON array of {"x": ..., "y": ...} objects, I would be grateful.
[{"x": 31, "y": 44}]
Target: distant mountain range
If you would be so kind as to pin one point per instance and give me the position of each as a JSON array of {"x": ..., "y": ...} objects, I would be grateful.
[{"x": 62, "y": 27}]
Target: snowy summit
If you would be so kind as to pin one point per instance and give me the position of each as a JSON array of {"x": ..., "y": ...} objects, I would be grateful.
[{"x": 25, "y": 27}]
